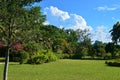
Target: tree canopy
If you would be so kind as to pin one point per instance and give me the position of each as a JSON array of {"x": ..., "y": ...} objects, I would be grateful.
[
  {"x": 15, "y": 19},
  {"x": 115, "y": 32}
]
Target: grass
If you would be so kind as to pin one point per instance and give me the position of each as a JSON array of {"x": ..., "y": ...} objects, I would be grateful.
[{"x": 63, "y": 70}]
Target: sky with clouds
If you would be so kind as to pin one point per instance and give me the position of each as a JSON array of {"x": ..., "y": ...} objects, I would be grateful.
[{"x": 98, "y": 16}]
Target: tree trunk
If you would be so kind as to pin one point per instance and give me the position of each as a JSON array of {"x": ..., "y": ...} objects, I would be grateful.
[{"x": 5, "y": 73}]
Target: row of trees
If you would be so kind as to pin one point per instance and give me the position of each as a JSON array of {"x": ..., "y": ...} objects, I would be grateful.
[{"x": 68, "y": 43}]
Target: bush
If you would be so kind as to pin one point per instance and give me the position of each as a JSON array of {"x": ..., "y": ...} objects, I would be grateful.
[
  {"x": 77, "y": 56},
  {"x": 14, "y": 56},
  {"x": 42, "y": 57},
  {"x": 37, "y": 58},
  {"x": 24, "y": 56},
  {"x": 50, "y": 56},
  {"x": 113, "y": 63}
]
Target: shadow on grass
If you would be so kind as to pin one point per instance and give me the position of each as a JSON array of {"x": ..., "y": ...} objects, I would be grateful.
[
  {"x": 99, "y": 58},
  {"x": 112, "y": 64}
]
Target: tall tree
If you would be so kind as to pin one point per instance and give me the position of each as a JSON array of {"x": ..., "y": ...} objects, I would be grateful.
[
  {"x": 115, "y": 32},
  {"x": 72, "y": 40},
  {"x": 15, "y": 19},
  {"x": 84, "y": 42}
]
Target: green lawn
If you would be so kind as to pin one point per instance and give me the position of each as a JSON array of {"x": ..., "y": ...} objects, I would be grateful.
[{"x": 63, "y": 70}]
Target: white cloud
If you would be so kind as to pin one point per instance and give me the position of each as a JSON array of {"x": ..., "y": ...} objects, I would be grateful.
[
  {"x": 69, "y": 21},
  {"x": 56, "y": 12},
  {"x": 101, "y": 34},
  {"x": 106, "y": 8},
  {"x": 80, "y": 22}
]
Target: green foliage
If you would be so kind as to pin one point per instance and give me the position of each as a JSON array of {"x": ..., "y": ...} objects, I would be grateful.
[
  {"x": 113, "y": 49},
  {"x": 24, "y": 56},
  {"x": 51, "y": 37},
  {"x": 100, "y": 48},
  {"x": 115, "y": 32},
  {"x": 115, "y": 62},
  {"x": 37, "y": 59},
  {"x": 42, "y": 57},
  {"x": 16, "y": 22},
  {"x": 77, "y": 56},
  {"x": 92, "y": 51},
  {"x": 50, "y": 56},
  {"x": 32, "y": 47},
  {"x": 108, "y": 56},
  {"x": 14, "y": 56}
]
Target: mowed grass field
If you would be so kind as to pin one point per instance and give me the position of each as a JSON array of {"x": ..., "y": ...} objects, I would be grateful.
[{"x": 63, "y": 70}]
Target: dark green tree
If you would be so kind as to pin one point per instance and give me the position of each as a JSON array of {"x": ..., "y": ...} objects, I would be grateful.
[
  {"x": 15, "y": 22},
  {"x": 72, "y": 40},
  {"x": 100, "y": 48},
  {"x": 115, "y": 33},
  {"x": 51, "y": 37}
]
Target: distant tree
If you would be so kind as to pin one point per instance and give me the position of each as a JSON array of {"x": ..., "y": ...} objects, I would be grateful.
[
  {"x": 16, "y": 20},
  {"x": 92, "y": 51},
  {"x": 72, "y": 40},
  {"x": 100, "y": 48},
  {"x": 115, "y": 33},
  {"x": 84, "y": 39},
  {"x": 110, "y": 48},
  {"x": 51, "y": 37}
]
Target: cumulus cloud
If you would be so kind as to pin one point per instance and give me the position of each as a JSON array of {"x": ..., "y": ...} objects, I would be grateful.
[
  {"x": 79, "y": 23},
  {"x": 56, "y": 12},
  {"x": 69, "y": 21},
  {"x": 106, "y": 8},
  {"x": 101, "y": 34}
]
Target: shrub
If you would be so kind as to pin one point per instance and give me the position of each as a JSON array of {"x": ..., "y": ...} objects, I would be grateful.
[
  {"x": 113, "y": 63},
  {"x": 50, "y": 56},
  {"x": 14, "y": 56},
  {"x": 77, "y": 56},
  {"x": 63, "y": 56},
  {"x": 42, "y": 57},
  {"x": 37, "y": 58},
  {"x": 24, "y": 56}
]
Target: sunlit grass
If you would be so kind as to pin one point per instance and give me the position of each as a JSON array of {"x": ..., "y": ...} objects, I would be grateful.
[{"x": 63, "y": 70}]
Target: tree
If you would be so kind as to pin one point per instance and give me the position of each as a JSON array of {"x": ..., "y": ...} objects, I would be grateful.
[
  {"x": 84, "y": 42},
  {"x": 72, "y": 40},
  {"x": 100, "y": 48},
  {"x": 115, "y": 32},
  {"x": 113, "y": 49},
  {"x": 110, "y": 48},
  {"x": 16, "y": 19},
  {"x": 51, "y": 37}
]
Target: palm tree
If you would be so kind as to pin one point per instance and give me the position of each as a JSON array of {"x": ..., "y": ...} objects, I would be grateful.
[{"x": 115, "y": 33}]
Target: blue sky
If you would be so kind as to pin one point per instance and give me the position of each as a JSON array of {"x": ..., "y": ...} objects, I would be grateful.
[{"x": 98, "y": 16}]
